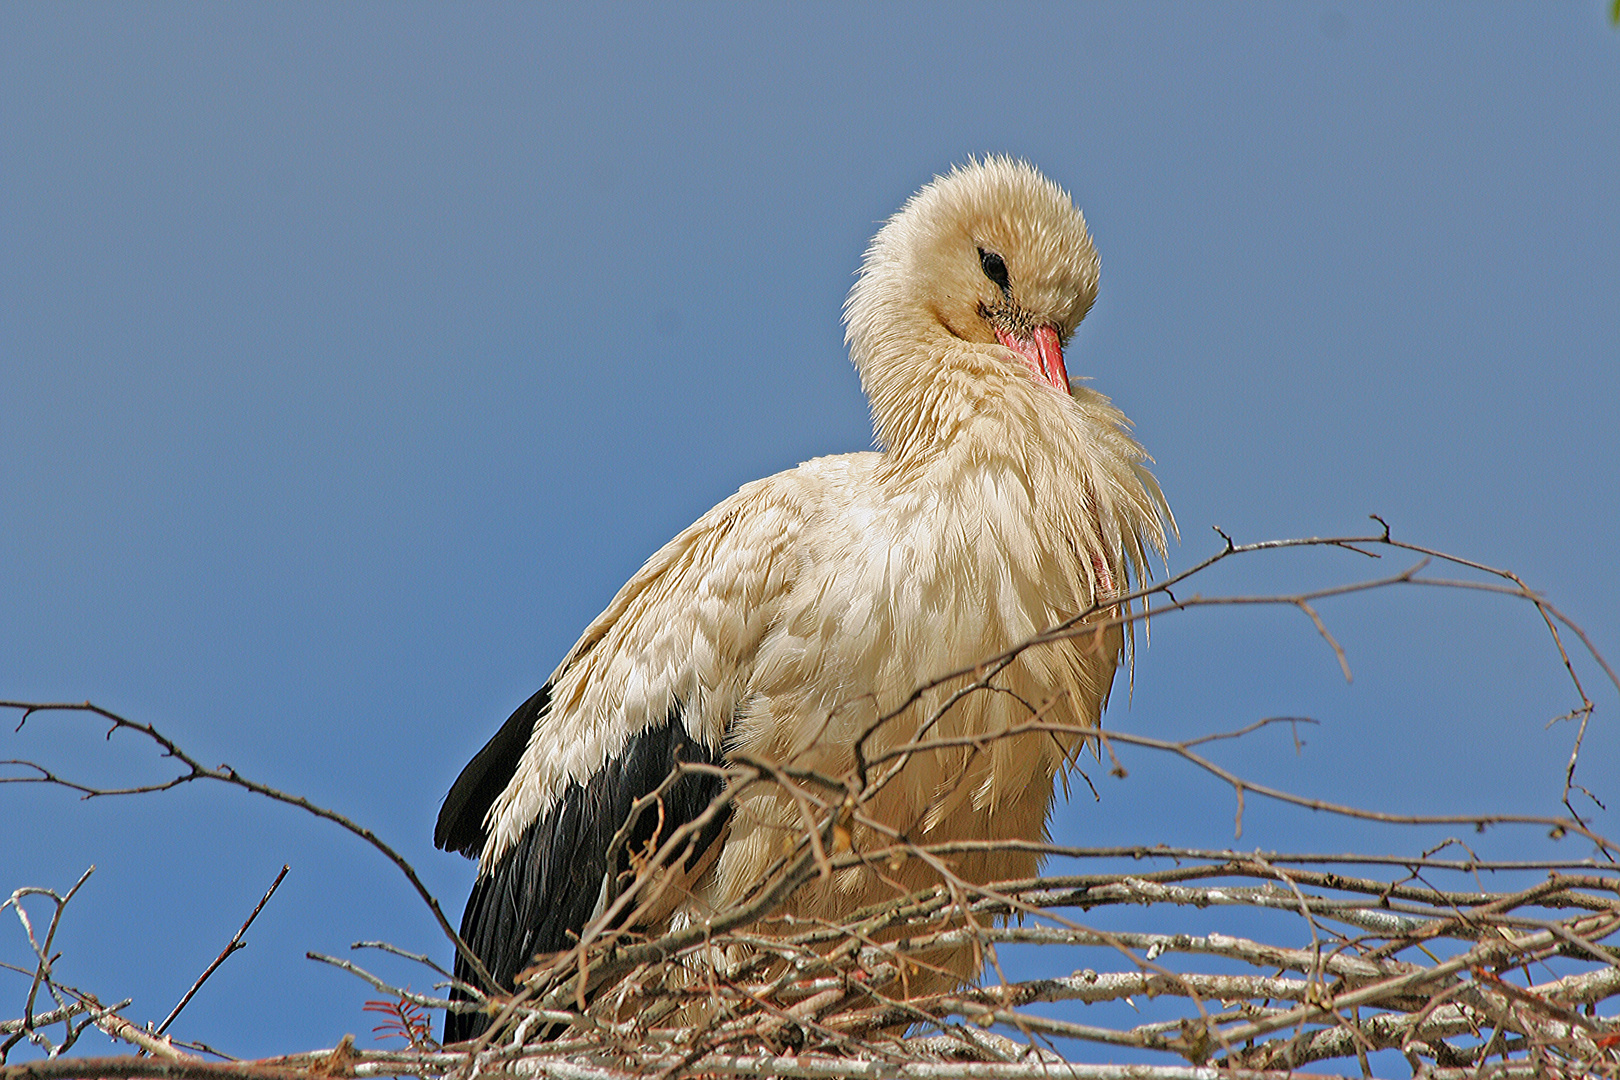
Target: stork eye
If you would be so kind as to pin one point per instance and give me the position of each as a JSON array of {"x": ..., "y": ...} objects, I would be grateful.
[{"x": 995, "y": 268}]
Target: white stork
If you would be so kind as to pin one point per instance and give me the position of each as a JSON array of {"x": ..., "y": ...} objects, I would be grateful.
[{"x": 784, "y": 621}]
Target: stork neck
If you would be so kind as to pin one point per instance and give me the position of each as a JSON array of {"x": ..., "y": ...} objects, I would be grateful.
[{"x": 925, "y": 386}]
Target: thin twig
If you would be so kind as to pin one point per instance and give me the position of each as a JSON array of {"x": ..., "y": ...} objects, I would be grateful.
[{"x": 230, "y": 947}]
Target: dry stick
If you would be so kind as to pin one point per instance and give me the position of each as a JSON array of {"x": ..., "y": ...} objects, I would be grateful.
[
  {"x": 227, "y": 775},
  {"x": 424, "y": 1000},
  {"x": 1228, "y": 855},
  {"x": 1241, "y": 785},
  {"x": 158, "y": 1046},
  {"x": 187, "y": 1069},
  {"x": 234, "y": 944},
  {"x": 67, "y": 1012},
  {"x": 421, "y": 958}
]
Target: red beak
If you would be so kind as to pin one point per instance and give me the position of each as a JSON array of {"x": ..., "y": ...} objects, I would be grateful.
[{"x": 1043, "y": 352}]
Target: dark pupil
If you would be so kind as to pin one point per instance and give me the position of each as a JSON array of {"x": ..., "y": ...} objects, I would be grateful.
[{"x": 995, "y": 268}]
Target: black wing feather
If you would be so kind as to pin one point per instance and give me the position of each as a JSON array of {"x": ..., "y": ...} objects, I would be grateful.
[
  {"x": 539, "y": 896},
  {"x": 461, "y": 818}
]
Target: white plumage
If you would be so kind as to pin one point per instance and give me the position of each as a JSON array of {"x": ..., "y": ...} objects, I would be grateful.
[{"x": 785, "y": 620}]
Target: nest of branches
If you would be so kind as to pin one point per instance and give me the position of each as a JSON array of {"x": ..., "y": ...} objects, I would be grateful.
[{"x": 1252, "y": 964}]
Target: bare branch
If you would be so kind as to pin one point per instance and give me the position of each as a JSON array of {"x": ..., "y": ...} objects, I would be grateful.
[{"x": 226, "y": 775}]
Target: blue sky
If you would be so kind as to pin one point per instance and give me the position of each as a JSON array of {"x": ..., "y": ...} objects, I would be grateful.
[{"x": 351, "y": 358}]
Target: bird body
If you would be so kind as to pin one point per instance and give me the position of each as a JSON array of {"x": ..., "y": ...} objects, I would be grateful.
[{"x": 786, "y": 621}]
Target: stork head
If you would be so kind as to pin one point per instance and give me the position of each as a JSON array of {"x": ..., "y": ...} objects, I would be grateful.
[{"x": 994, "y": 257}]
